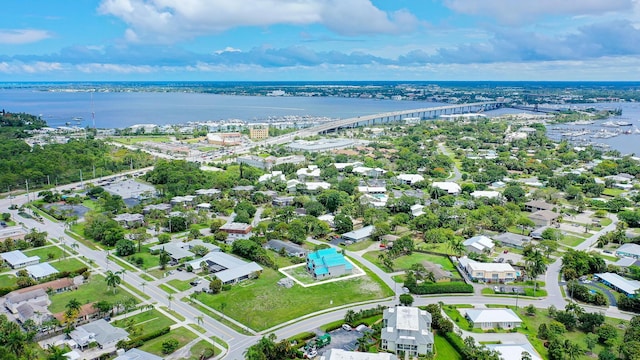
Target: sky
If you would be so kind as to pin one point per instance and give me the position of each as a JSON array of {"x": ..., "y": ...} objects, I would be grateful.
[{"x": 319, "y": 40}]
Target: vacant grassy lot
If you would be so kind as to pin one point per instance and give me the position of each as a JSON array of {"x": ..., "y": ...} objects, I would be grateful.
[
  {"x": 572, "y": 240},
  {"x": 181, "y": 285},
  {"x": 94, "y": 290},
  {"x": 43, "y": 253},
  {"x": 444, "y": 350},
  {"x": 405, "y": 262},
  {"x": 182, "y": 334},
  {"x": 271, "y": 304},
  {"x": 198, "y": 348},
  {"x": 7, "y": 280},
  {"x": 148, "y": 321},
  {"x": 67, "y": 264}
]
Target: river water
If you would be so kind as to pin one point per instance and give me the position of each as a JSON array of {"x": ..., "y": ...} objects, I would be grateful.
[{"x": 123, "y": 109}]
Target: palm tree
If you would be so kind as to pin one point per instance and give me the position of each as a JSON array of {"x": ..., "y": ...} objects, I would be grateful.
[
  {"x": 169, "y": 299},
  {"x": 573, "y": 350},
  {"x": 72, "y": 311},
  {"x": 349, "y": 316},
  {"x": 113, "y": 280},
  {"x": 55, "y": 353},
  {"x": 121, "y": 272},
  {"x": 456, "y": 246},
  {"x": 535, "y": 264}
]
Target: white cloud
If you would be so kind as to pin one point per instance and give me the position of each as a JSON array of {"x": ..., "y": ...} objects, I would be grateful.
[
  {"x": 226, "y": 50},
  {"x": 18, "y": 67},
  {"x": 116, "y": 68},
  {"x": 526, "y": 11},
  {"x": 22, "y": 36},
  {"x": 172, "y": 20}
]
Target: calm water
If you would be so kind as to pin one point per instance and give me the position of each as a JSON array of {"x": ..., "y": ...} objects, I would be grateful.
[{"x": 123, "y": 109}]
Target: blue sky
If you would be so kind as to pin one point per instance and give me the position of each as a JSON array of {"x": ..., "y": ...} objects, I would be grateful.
[{"x": 71, "y": 40}]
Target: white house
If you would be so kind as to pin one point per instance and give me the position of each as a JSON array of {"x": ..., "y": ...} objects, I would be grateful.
[
  {"x": 17, "y": 259},
  {"x": 488, "y": 272},
  {"x": 359, "y": 235},
  {"x": 41, "y": 271},
  {"x": 312, "y": 172},
  {"x": 478, "y": 244},
  {"x": 450, "y": 187},
  {"x": 493, "y": 318},
  {"x": 100, "y": 332},
  {"x": 409, "y": 179},
  {"x": 514, "y": 351},
  {"x": 274, "y": 176},
  {"x": 485, "y": 194},
  {"x": 406, "y": 329}
]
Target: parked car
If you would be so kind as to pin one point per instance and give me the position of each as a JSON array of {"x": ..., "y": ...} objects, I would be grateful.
[
  {"x": 195, "y": 282},
  {"x": 346, "y": 327}
]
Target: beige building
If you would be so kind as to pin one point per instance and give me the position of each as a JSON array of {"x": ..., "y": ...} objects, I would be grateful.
[
  {"x": 258, "y": 132},
  {"x": 225, "y": 139},
  {"x": 488, "y": 272}
]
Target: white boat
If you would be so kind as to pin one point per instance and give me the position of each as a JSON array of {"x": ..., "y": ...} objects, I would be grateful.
[
  {"x": 583, "y": 122},
  {"x": 609, "y": 124},
  {"x": 623, "y": 123}
]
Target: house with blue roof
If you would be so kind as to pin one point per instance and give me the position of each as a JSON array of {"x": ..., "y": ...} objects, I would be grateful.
[{"x": 327, "y": 263}]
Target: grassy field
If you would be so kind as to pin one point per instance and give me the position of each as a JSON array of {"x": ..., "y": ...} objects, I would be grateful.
[
  {"x": 444, "y": 350},
  {"x": 182, "y": 334},
  {"x": 94, "y": 290},
  {"x": 180, "y": 284},
  {"x": 455, "y": 316},
  {"x": 167, "y": 289},
  {"x": 271, "y": 305},
  {"x": 198, "y": 348},
  {"x": 7, "y": 280},
  {"x": 612, "y": 192},
  {"x": 67, "y": 264},
  {"x": 360, "y": 245},
  {"x": 438, "y": 247},
  {"x": 148, "y": 321},
  {"x": 137, "y": 139},
  {"x": 405, "y": 262},
  {"x": 43, "y": 253}
]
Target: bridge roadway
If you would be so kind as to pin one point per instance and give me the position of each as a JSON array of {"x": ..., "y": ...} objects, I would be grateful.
[{"x": 368, "y": 120}]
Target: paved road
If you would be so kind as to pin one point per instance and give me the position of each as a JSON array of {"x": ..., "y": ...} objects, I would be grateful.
[{"x": 457, "y": 175}]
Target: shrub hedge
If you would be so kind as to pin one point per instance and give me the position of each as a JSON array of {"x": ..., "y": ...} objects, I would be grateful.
[{"x": 441, "y": 288}]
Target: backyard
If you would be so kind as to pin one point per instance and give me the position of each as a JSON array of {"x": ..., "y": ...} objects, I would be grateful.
[
  {"x": 272, "y": 305},
  {"x": 95, "y": 290},
  {"x": 404, "y": 262}
]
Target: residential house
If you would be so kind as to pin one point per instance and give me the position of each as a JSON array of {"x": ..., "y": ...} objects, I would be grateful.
[
  {"x": 15, "y": 299},
  {"x": 417, "y": 210},
  {"x": 359, "y": 235},
  {"x": 493, "y": 318},
  {"x": 537, "y": 233},
  {"x": 290, "y": 248},
  {"x": 537, "y": 205},
  {"x": 87, "y": 312},
  {"x": 327, "y": 263},
  {"x": 310, "y": 173},
  {"x": 31, "y": 310},
  {"x": 450, "y": 187},
  {"x": 514, "y": 351},
  {"x": 13, "y": 232},
  {"x": 339, "y": 354},
  {"x": 228, "y": 268},
  {"x": 100, "y": 332},
  {"x": 342, "y": 166},
  {"x": 165, "y": 208},
  {"x": 282, "y": 201},
  {"x": 369, "y": 172},
  {"x": 236, "y": 230},
  {"x": 629, "y": 250},
  {"x": 409, "y": 179},
  {"x": 129, "y": 220},
  {"x": 438, "y": 272},
  {"x": 17, "y": 259},
  {"x": 408, "y": 330},
  {"x": 176, "y": 250},
  {"x": 197, "y": 242},
  {"x": 208, "y": 192},
  {"x": 544, "y": 217},
  {"x": 317, "y": 185},
  {"x": 274, "y": 176},
  {"x": 488, "y": 272},
  {"x": 485, "y": 194},
  {"x": 618, "y": 283},
  {"x": 479, "y": 244},
  {"x": 136, "y": 354},
  {"x": 327, "y": 218},
  {"x": 41, "y": 271},
  {"x": 184, "y": 201},
  {"x": 512, "y": 240}
]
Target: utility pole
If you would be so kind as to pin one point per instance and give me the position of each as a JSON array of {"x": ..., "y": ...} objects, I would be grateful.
[
  {"x": 48, "y": 181},
  {"x": 27, "y": 183}
]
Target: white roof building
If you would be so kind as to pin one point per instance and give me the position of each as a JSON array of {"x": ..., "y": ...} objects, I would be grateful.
[
  {"x": 275, "y": 176},
  {"x": 448, "y": 186},
  {"x": 227, "y": 268},
  {"x": 406, "y": 328},
  {"x": 137, "y": 354},
  {"x": 410, "y": 179},
  {"x": 629, "y": 250},
  {"x": 17, "y": 259},
  {"x": 616, "y": 281},
  {"x": 317, "y": 185},
  {"x": 417, "y": 210},
  {"x": 487, "y": 194},
  {"x": 342, "y": 166},
  {"x": 372, "y": 189},
  {"x": 41, "y": 271},
  {"x": 339, "y": 354},
  {"x": 479, "y": 244},
  {"x": 311, "y": 171},
  {"x": 514, "y": 351},
  {"x": 492, "y": 318}
]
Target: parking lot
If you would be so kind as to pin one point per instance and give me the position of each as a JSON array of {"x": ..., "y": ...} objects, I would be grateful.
[{"x": 515, "y": 258}]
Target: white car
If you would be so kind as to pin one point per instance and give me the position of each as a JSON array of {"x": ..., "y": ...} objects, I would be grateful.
[{"x": 346, "y": 327}]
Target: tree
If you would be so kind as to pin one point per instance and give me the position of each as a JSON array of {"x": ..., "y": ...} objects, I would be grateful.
[
  {"x": 525, "y": 356},
  {"x": 343, "y": 223},
  {"x": 535, "y": 265},
  {"x": 140, "y": 235},
  {"x": 606, "y": 333},
  {"x": 163, "y": 259},
  {"x": 125, "y": 247},
  {"x": 590, "y": 341},
  {"x": 514, "y": 193},
  {"x": 113, "y": 280},
  {"x": 406, "y": 299},
  {"x": 350, "y": 316},
  {"x": 199, "y": 250},
  {"x": 215, "y": 285},
  {"x": 572, "y": 350},
  {"x": 169, "y": 346},
  {"x": 164, "y": 238}
]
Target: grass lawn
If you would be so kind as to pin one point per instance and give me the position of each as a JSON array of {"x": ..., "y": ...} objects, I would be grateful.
[
  {"x": 360, "y": 245},
  {"x": 438, "y": 247},
  {"x": 180, "y": 284},
  {"x": 149, "y": 321},
  {"x": 159, "y": 274},
  {"x": 444, "y": 350},
  {"x": 605, "y": 222},
  {"x": 182, "y": 334},
  {"x": 149, "y": 260},
  {"x": 8, "y": 280},
  {"x": 167, "y": 289},
  {"x": 137, "y": 139},
  {"x": 455, "y": 316},
  {"x": 147, "y": 277},
  {"x": 67, "y": 264},
  {"x": 272, "y": 305},
  {"x": 43, "y": 253},
  {"x": 398, "y": 278},
  {"x": 405, "y": 262},
  {"x": 612, "y": 192},
  {"x": 95, "y": 290},
  {"x": 571, "y": 240}
]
